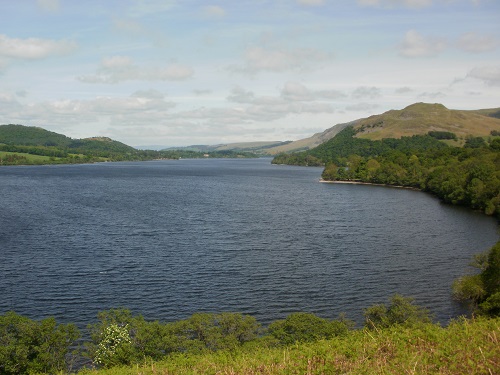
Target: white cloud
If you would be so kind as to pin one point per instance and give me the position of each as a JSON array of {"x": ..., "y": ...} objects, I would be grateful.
[
  {"x": 49, "y": 5},
  {"x": 488, "y": 74},
  {"x": 259, "y": 59},
  {"x": 214, "y": 11},
  {"x": 240, "y": 95},
  {"x": 416, "y": 45},
  {"x": 148, "y": 94},
  {"x": 403, "y": 90},
  {"x": 33, "y": 48},
  {"x": 139, "y": 8},
  {"x": 201, "y": 92},
  {"x": 395, "y": 3},
  {"x": 311, "y": 2},
  {"x": 366, "y": 92},
  {"x": 362, "y": 107},
  {"x": 474, "y": 42},
  {"x": 294, "y": 91},
  {"x": 140, "y": 107},
  {"x": 117, "y": 69},
  {"x": 128, "y": 25},
  {"x": 432, "y": 95}
]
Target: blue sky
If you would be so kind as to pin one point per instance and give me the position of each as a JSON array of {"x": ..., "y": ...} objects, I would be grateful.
[{"x": 173, "y": 73}]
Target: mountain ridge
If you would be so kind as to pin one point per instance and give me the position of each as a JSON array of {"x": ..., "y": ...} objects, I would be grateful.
[{"x": 420, "y": 118}]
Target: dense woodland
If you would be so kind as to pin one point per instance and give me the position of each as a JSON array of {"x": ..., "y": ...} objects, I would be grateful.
[{"x": 23, "y": 145}]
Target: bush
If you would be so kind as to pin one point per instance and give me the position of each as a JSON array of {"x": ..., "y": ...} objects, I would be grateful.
[
  {"x": 307, "y": 327},
  {"x": 121, "y": 339},
  {"x": 483, "y": 289},
  {"x": 442, "y": 135},
  {"x": 28, "y": 346},
  {"x": 401, "y": 311}
]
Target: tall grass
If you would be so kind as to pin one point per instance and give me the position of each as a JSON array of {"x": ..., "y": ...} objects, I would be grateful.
[{"x": 464, "y": 347}]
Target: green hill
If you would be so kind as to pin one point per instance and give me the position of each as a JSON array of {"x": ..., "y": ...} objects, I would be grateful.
[
  {"x": 21, "y": 145},
  {"x": 31, "y": 136},
  {"x": 418, "y": 118},
  {"x": 421, "y": 118}
]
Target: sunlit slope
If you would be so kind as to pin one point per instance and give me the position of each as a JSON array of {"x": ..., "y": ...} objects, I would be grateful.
[
  {"x": 311, "y": 142},
  {"x": 420, "y": 118}
]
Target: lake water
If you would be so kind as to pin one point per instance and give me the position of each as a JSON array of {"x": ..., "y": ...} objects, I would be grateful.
[{"x": 170, "y": 238}]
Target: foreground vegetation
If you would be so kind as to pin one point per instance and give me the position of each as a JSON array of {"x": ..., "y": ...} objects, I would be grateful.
[
  {"x": 396, "y": 338},
  {"x": 464, "y": 347}
]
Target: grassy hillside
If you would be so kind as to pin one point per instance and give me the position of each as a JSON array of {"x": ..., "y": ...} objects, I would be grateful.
[
  {"x": 21, "y": 145},
  {"x": 311, "y": 142},
  {"x": 464, "y": 347},
  {"x": 273, "y": 147},
  {"x": 491, "y": 112},
  {"x": 420, "y": 118},
  {"x": 416, "y": 119}
]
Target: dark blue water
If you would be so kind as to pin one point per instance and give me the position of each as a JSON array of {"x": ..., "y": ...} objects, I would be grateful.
[{"x": 170, "y": 238}]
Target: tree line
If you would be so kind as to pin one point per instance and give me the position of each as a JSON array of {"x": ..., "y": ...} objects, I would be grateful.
[
  {"x": 18, "y": 143},
  {"x": 121, "y": 338},
  {"x": 467, "y": 176}
]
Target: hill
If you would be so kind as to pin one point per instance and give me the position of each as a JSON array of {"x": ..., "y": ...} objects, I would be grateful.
[
  {"x": 270, "y": 148},
  {"x": 31, "y": 136},
  {"x": 259, "y": 148},
  {"x": 420, "y": 118},
  {"x": 416, "y": 119},
  {"x": 311, "y": 142},
  {"x": 21, "y": 144}
]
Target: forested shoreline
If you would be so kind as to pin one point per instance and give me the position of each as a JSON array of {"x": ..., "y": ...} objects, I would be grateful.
[
  {"x": 467, "y": 176},
  {"x": 24, "y": 145}
]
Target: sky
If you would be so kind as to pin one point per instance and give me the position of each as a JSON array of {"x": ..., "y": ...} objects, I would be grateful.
[{"x": 185, "y": 72}]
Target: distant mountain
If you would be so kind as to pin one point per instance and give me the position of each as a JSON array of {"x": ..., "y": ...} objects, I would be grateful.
[
  {"x": 420, "y": 118},
  {"x": 270, "y": 147},
  {"x": 311, "y": 142},
  {"x": 260, "y": 148}
]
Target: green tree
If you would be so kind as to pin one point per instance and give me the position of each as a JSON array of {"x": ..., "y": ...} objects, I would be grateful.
[
  {"x": 401, "y": 311},
  {"x": 330, "y": 172},
  {"x": 28, "y": 346},
  {"x": 483, "y": 289},
  {"x": 307, "y": 327}
]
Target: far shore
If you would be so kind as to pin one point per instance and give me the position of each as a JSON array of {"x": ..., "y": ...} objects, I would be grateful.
[{"x": 354, "y": 182}]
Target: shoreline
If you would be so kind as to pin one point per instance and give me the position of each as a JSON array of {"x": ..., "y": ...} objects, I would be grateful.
[{"x": 354, "y": 182}]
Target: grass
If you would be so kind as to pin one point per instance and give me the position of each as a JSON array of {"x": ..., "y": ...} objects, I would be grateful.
[
  {"x": 31, "y": 158},
  {"x": 420, "y": 118},
  {"x": 464, "y": 347}
]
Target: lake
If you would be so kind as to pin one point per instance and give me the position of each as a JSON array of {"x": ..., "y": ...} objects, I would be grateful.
[{"x": 170, "y": 238}]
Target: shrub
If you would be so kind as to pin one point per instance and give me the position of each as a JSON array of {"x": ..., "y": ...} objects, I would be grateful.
[
  {"x": 483, "y": 289},
  {"x": 28, "y": 346},
  {"x": 401, "y": 311},
  {"x": 307, "y": 327}
]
